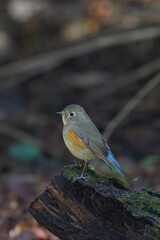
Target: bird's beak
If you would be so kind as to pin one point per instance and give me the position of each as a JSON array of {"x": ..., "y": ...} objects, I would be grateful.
[{"x": 60, "y": 113}]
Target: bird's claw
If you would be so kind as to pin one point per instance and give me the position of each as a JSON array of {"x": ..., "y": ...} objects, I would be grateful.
[
  {"x": 69, "y": 166},
  {"x": 78, "y": 178}
]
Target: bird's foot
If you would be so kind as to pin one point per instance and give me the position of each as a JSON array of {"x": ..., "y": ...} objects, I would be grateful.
[
  {"x": 75, "y": 164},
  {"x": 70, "y": 166},
  {"x": 78, "y": 178}
]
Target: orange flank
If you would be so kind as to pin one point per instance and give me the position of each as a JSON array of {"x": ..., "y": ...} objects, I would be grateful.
[{"x": 76, "y": 140}]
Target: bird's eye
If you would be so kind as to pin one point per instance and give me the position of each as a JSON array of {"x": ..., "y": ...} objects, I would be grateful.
[{"x": 72, "y": 114}]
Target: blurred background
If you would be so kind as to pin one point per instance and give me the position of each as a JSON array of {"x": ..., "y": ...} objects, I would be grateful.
[{"x": 101, "y": 54}]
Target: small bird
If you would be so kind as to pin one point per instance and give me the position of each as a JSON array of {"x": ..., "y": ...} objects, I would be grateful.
[{"x": 84, "y": 140}]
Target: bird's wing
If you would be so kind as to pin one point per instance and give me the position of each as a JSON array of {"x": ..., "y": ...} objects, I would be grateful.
[{"x": 101, "y": 149}]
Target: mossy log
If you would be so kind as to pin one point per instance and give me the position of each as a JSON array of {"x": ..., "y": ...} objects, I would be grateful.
[{"x": 97, "y": 208}]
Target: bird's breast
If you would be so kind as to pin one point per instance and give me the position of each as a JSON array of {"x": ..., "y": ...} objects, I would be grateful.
[
  {"x": 77, "y": 147},
  {"x": 76, "y": 141}
]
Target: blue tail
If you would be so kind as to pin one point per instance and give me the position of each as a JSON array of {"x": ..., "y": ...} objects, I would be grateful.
[{"x": 116, "y": 164}]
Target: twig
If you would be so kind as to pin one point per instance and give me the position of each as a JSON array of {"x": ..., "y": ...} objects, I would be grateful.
[
  {"x": 135, "y": 75},
  {"x": 123, "y": 81},
  {"x": 131, "y": 105},
  {"x": 18, "y": 72}
]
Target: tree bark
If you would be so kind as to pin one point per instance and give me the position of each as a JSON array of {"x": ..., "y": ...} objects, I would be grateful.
[{"x": 97, "y": 208}]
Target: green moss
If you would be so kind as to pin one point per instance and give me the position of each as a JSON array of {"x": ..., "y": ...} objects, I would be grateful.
[
  {"x": 74, "y": 172},
  {"x": 90, "y": 172},
  {"x": 145, "y": 204},
  {"x": 153, "y": 231},
  {"x": 93, "y": 175},
  {"x": 144, "y": 201},
  {"x": 153, "y": 192},
  {"x": 118, "y": 182}
]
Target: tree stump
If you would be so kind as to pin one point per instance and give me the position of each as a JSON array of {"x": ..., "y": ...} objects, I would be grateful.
[{"x": 97, "y": 208}]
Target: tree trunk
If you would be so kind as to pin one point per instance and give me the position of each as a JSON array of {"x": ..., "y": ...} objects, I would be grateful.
[{"x": 97, "y": 208}]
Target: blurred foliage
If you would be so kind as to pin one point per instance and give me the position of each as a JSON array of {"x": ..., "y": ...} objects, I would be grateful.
[
  {"x": 135, "y": 180},
  {"x": 24, "y": 151},
  {"x": 149, "y": 162}
]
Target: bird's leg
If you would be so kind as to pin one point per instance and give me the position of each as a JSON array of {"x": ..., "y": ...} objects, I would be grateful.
[
  {"x": 81, "y": 177},
  {"x": 85, "y": 163}
]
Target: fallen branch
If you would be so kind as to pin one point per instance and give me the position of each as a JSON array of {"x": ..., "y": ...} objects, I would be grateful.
[
  {"x": 17, "y": 72},
  {"x": 119, "y": 83},
  {"x": 97, "y": 208}
]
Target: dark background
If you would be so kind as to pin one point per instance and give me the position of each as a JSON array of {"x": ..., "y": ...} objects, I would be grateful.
[{"x": 103, "y": 55}]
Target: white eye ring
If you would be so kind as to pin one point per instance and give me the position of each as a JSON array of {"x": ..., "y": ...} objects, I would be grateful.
[{"x": 72, "y": 114}]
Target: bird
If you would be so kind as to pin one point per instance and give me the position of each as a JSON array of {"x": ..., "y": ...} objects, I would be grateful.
[{"x": 84, "y": 140}]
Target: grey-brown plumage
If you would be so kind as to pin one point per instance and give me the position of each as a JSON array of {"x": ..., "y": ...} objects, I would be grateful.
[{"x": 83, "y": 139}]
